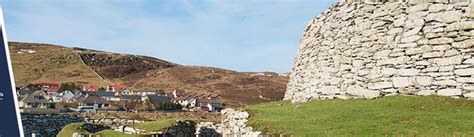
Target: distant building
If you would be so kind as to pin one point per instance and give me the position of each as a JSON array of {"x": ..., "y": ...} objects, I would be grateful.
[
  {"x": 36, "y": 100},
  {"x": 54, "y": 87},
  {"x": 67, "y": 96},
  {"x": 109, "y": 96},
  {"x": 55, "y": 97},
  {"x": 23, "y": 92},
  {"x": 115, "y": 87},
  {"x": 212, "y": 105},
  {"x": 156, "y": 99},
  {"x": 90, "y": 87},
  {"x": 143, "y": 92},
  {"x": 189, "y": 102},
  {"x": 204, "y": 102},
  {"x": 130, "y": 98},
  {"x": 94, "y": 100},
  {"x": 46, "y": 85}
]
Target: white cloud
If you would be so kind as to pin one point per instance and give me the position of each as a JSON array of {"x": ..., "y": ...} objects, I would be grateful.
[{"x": 260, "y": 35}]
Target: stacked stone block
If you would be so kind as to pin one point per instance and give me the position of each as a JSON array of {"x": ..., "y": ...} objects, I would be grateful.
[
  {"x": 370, "y": 50},
  {"x": 46, "y": 125}
]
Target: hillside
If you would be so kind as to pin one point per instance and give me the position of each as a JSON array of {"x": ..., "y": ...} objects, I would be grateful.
[
  {"x": 388, "y": 116},
  {"x": 49, "y": 63},
  {"x": 112, "y": 65},
  {"x": 236, "y": 88},
  {"x": 52, "y": 63}
]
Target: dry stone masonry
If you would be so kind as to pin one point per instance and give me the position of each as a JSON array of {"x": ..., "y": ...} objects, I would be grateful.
[
  {"x": 46, "y": 125},
  {"x": 370, "y": 49},
  {"x": 233, "y": 124}
]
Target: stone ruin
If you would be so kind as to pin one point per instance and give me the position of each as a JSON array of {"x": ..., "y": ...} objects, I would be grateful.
[
  {"x": 403, "y": 1},
  {"x": 370, "y": 49}
]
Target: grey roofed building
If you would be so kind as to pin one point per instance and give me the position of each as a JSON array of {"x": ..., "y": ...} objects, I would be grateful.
[
  {"x": 67, "y": 95},
  {"x": 106, "y": 94},
  {"x": 36, "y": 100},
  {"x": 109, "y": 96},
  {"x": 156, "y": 99},
  {"x": 77, "y": 97},
  {"x": 210, "y": 104},
  {"x": 93, "y": 100},
  {"x": 23, "y": 91},
  {"x": 130, "y": 97},
  {"x": 81, "y": 94},
  {"x": 145, "y": 92},
  {"x": 86, "y": 92}
]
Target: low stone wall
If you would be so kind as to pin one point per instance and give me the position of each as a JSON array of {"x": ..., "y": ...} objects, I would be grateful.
[
  {"x": 113, "y": 123},
  {"x": 207, "y": 129},
  {"x": 46, "y": 125},
  {"x": 184, "y": 128},
  {"x": 181, "y": 129}
]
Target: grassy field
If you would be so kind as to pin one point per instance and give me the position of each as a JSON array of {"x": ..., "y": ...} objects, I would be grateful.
[
  {"x": 111, "y": 133},
  {"x": 152, "y": 126},
  {"x": 388, "y": 116},
  {"x": 155, "y": 126},
  {"x": 70, "y": 129}
]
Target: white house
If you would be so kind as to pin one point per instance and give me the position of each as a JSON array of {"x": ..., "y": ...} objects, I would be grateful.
[
  {"x": 56, "y": 97},
  {"x": 189, "y": 102},
  {"x": 109, "y": 96},
  {"x": 67, "y": 96},
  {"x": 147, "y": 92}
]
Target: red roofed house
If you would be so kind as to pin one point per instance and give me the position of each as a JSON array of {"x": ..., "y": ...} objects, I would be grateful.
[
  {"x": 50, "y": 86},
  {"x": 115, "y": 87},
  {"x": 46, "y": 85},
  {"x": 90, "y": 87}
]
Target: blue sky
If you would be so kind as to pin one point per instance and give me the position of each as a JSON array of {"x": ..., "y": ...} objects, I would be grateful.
[{"x": 242, "y": 35}]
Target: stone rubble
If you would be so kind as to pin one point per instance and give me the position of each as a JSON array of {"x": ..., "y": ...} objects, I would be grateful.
[
  {"x": 368, "y": 49},
  {"x": 233, "y": 124}
]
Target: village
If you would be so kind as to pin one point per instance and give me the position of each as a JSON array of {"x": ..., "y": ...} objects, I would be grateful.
[{"x": 66, "y": 97}]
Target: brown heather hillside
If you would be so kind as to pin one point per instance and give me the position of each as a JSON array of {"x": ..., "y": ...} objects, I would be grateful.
[
  {"x": 235, "y": 88},
  {"x": 49, "y": 63},
  {"x": 111, "y": 65}
]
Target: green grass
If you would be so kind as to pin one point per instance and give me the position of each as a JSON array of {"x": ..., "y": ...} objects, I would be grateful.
[
  {"x": 70, "y": 129},
  {"x": 111, "y": 133},
  {"x": 155, "y": 126},
  {"x": 387, "y": 116}
]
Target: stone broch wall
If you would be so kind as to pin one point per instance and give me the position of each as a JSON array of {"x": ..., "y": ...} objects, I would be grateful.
[{"x": 369, "y": 50}]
